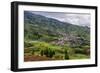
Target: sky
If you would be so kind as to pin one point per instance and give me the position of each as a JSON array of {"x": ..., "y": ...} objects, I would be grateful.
[{"x": 81, "y": 19}]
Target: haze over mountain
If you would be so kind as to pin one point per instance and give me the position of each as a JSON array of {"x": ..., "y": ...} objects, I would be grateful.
[{"x": 81, "y": 19}]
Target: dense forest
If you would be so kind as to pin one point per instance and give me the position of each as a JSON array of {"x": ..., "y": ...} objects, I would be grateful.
[{"x": 50, "y": 39}]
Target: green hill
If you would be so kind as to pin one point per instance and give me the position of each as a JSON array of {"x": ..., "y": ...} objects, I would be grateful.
[{"x": 54, "y": 32}]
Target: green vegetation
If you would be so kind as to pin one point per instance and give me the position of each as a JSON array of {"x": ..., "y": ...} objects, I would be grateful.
[
  {"x": 66, "y": 54},
  {"x": 49, "y": 39}
]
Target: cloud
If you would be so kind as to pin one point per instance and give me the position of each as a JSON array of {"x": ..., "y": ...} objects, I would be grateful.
[
  {"x": 74, "y": 18},
  {"x": 78, "y": 19}
]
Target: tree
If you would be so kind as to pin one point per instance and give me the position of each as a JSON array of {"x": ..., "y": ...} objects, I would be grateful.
[
  {"x": 66, "y": 54},
  {"x": 48, "y": 52}
]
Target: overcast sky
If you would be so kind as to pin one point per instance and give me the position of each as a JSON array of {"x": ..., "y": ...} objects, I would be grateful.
[{"x": 74, "y": 18}]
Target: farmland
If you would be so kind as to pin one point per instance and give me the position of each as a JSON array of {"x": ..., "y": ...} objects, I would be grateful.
[{"x": 50, "y": 39}]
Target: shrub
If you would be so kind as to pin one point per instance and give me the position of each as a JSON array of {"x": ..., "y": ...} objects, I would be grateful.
[
  {"x": 28, "y": 44},
  {"x": 59, "y": 57},
  {"x": 48, "y": 52},
  {"x": 32, "y": 52},
  {"x": 78, "y": 50},
  {"x": 83, "y": 50},
  {"x": 66, "y": 54},
  {"x": 27, "y": 50},
  {"x": 68, "y": 51},
  {"x": 42, "y": 52}
]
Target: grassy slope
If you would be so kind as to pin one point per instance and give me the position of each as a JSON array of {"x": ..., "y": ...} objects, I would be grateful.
[{"x": 62, "y": 40}]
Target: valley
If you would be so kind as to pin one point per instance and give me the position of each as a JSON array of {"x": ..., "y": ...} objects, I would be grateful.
[{"x": 50, "y": 39}]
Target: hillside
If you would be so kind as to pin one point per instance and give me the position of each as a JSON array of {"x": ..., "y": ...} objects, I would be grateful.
[{"x": 52, "y": 31}]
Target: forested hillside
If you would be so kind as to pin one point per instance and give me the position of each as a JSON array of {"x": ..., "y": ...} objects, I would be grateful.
[{"x": 50, "y": 39}]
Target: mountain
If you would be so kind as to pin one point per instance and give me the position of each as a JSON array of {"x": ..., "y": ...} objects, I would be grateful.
[{"x": 38, "y": 27}]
